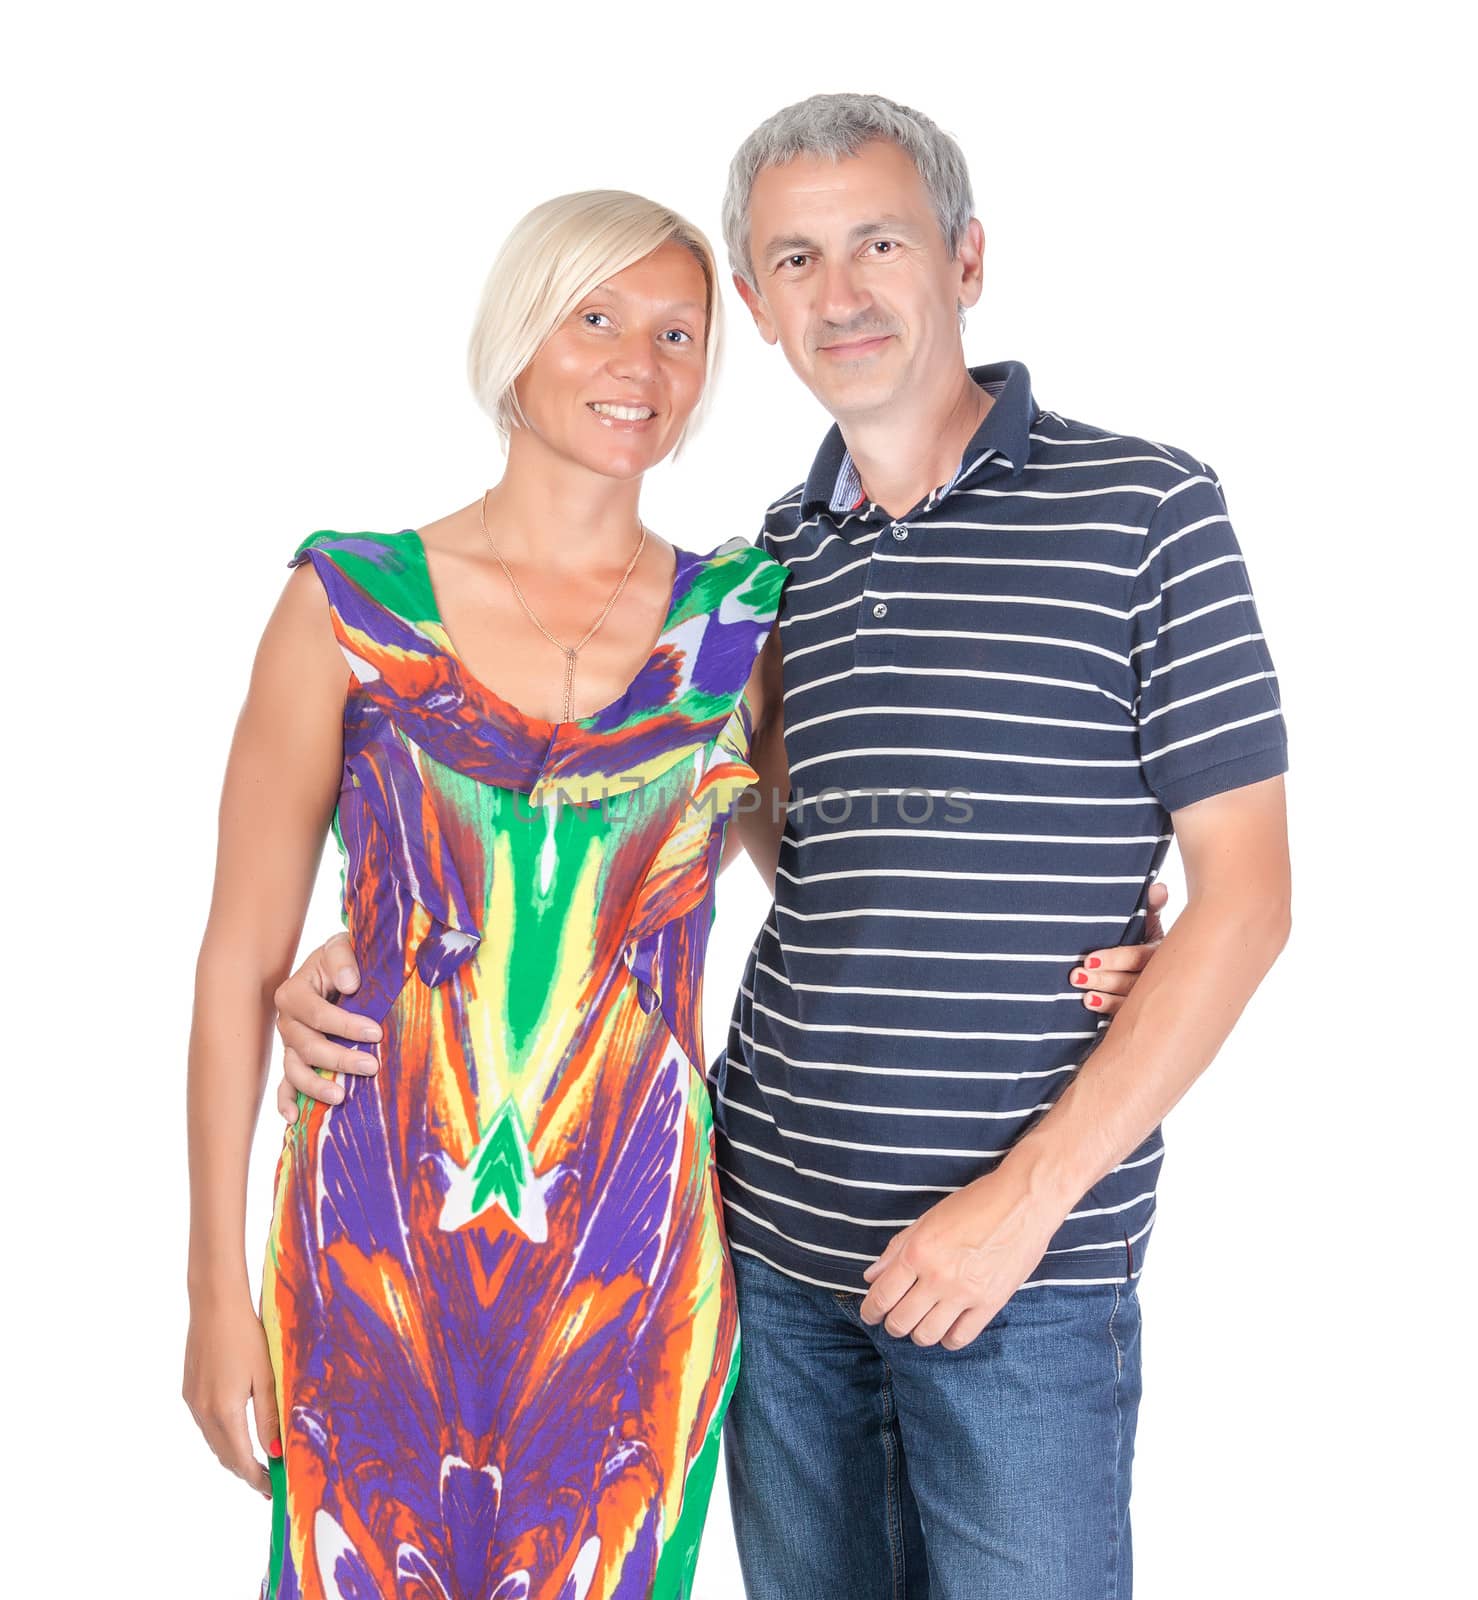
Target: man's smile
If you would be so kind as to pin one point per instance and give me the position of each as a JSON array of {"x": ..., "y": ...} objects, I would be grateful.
[{"x": 856, "y": 349}]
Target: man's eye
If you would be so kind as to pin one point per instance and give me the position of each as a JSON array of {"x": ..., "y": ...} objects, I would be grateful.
[
  {"x": 883, "y": 246},
  {"x": 794, "y": 261}
]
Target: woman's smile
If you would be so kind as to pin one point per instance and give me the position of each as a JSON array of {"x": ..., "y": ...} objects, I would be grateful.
[{"x": 624, "y": 418}]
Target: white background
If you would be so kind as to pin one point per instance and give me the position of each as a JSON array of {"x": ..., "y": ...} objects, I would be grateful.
[{"x": 246, "y": 243}]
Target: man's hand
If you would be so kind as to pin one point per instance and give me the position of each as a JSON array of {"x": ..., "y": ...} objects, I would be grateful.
[
  {"x": 1107, "y": 976},
  {"x": 943, "y": 1279},
  {"x": 306, "y": 1013}
]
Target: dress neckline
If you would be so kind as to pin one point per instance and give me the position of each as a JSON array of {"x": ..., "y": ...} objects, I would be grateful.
[{"x": 485, "y": 692}]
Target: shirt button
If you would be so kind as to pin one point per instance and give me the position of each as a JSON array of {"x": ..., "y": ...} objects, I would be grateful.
[
  {"x": 899, "y": 533},
  {"x": 880, "y": 609}
]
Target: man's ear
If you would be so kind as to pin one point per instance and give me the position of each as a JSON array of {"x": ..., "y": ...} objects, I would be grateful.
[
  {"x": 757, "y": 309},
  {"x": 971, "y": 257}
]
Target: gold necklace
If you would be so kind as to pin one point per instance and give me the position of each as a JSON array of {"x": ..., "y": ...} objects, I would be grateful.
[{"x": 569, "y": 651}]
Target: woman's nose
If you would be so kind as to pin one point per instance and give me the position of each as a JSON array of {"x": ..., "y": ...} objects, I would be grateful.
[{"x": 633, "y": 359}]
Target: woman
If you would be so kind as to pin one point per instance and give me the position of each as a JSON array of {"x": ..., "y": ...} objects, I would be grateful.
[{"x": 496, "y": 1321}]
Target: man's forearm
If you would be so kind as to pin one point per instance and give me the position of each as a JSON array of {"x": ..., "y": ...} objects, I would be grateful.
[{"x": 1169, "y": 1030}]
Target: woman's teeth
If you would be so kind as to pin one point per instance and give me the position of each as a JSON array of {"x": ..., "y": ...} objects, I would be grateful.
[{"x": 623, "y": 413}]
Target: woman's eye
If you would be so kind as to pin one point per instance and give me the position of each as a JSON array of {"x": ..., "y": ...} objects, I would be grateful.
[
  {"x": 593, "y": 319},
  {"x": 678, "y": 336}
]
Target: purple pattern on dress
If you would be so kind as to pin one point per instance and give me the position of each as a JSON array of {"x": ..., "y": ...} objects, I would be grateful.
[{"x": 474, "y": 1399}]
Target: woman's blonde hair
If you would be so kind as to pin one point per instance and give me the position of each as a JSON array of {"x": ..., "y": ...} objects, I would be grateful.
[{"x": 552, "y": 259}]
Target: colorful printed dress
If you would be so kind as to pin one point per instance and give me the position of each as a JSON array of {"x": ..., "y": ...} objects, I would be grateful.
[{"x": 496, "y": 1293}]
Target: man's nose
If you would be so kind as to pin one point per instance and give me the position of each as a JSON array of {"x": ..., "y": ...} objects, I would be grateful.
[{"x": 842, "y": 296}]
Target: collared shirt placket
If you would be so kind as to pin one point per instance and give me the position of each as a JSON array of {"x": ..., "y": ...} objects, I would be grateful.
[
  {"x": 880, "y": 614},
  {"x": 874, "y": 642}
]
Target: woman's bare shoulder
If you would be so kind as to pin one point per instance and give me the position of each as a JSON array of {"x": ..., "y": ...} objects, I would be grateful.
[{"x": 299, "y": 637}]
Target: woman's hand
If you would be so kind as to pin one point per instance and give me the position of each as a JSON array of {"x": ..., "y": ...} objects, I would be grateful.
[
  {"x": 227, "y": 1364},
  {"x": 281, "y": 781},
  {"x": 1107, "y": 976}
]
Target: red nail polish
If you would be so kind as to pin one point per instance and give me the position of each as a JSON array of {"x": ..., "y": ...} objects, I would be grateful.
[
  {"x": 275, "y": 1448},
  {"x": 1095, "y": 1000},
  {"x": 1093, "y": 961},
  {"x": 1080, "y": 977}
]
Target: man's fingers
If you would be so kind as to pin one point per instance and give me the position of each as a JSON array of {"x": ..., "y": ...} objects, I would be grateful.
[
  {"x": 287, "y": 1100},
  {"x": 306, "y": 1016},
  {"x": 910, "y": 1311},
  {"x": 299, "y": 1076},
  {"x": 933, "y": 1325},
  {"x": 885, "y": 1260},
  {"x": 315, "y": 1051},
  {"x": 967, "y": 1328},
  {"x": 336, "y": 958},
  {"x": 303, "y": 1013},
  {"x": 888, "y": 1288},
  {"x": 890, "y": 1254}
]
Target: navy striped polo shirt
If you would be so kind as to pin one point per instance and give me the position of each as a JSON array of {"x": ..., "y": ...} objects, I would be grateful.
[{"x": 992, "y": 706}]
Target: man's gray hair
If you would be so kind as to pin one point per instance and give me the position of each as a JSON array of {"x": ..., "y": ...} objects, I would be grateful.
[{"x": 838, "y": 125}]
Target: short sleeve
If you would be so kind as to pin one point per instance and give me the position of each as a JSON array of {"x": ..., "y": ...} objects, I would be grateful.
[{"x": 1207, "y": 704}]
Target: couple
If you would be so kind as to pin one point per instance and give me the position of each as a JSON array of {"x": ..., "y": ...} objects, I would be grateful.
[{"x": 954, "y": 699}]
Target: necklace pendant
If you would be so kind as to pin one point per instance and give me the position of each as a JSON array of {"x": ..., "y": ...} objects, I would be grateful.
[{"x": 569, "y": 650}]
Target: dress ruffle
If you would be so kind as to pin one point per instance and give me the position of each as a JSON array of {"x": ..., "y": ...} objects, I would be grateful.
[{"x": 411, "y": 700}]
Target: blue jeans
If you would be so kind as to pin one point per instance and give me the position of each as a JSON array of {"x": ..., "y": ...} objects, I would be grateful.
[{"x": 864, "y": 1466}]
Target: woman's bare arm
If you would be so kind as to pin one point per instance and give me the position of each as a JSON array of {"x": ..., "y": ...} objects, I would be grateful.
[
  {"x": 760, "y": 816},
  {"x": 281, "y": 781}
]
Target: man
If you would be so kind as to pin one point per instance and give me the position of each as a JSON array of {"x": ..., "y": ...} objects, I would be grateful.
[{"x": 1015, "y": 651}]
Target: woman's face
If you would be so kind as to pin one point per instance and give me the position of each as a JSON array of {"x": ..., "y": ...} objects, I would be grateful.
[{"x": 612, "y": 386}]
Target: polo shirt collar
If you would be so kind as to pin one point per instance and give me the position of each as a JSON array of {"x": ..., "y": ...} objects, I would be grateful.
[{"x": 834, "y": 485}]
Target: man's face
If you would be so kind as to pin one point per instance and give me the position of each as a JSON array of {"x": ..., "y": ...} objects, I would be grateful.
[{"x": 855, "y": 280}]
